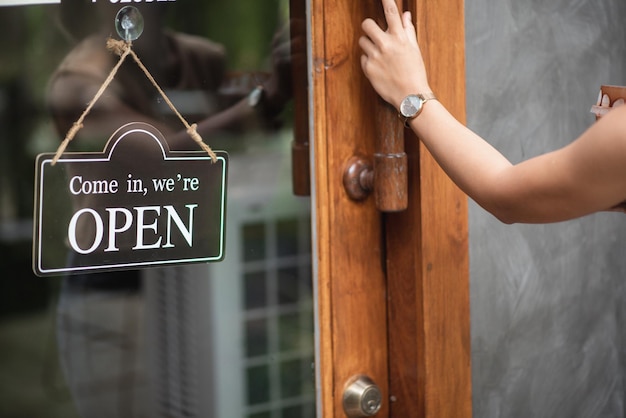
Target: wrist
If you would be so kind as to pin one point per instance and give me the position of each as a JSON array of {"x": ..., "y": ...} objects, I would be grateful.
[
  {"x": 412, "y": 105},
  {"x": 263, "y": 105},
  {"x": 410, "y": 87}
]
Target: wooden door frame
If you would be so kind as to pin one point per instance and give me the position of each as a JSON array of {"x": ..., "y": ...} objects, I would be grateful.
[
  {"x": 350, "y": 283},
  {"x": 392, "y": 290}
]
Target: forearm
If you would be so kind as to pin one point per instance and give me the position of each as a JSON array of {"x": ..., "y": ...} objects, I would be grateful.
[
  {"x": 471, "y": 162},
  {"x": 564, "y": 184},
  {"x": 235, "y": 119}
]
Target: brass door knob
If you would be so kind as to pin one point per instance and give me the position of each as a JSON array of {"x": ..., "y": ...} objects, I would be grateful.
[{"x": 361, "y": 397}]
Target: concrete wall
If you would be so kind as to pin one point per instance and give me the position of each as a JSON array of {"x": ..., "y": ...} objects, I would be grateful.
[{"x": 548, "y": 301}]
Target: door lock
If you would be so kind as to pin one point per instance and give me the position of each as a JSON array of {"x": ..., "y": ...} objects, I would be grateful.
[{"x": 361, "y": 397}]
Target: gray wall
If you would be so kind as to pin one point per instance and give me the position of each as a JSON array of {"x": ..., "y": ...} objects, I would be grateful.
[{"x": 548, "y": 301}]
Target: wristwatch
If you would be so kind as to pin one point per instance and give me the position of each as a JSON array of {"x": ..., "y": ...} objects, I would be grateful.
[
  {"x": 412, "y": 105},
  {"x": 255, "y": 97},
  {"x": 261, "y": 103}
]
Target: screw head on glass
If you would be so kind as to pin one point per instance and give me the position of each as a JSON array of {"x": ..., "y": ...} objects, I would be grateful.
[{"x": 129, "y": 23}]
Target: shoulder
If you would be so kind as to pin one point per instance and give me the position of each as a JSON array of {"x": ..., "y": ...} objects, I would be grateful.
[
  {"x": 78, "y": 76},
  {"x": 80, "y": 73},
  {"x": 90, "y": 58}
]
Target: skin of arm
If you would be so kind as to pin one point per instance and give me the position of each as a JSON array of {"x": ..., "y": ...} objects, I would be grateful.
[
  {"x": 70, "y": 93},
  {"x": 81, "y": 75},
  {"x": 587, "y": 176}
]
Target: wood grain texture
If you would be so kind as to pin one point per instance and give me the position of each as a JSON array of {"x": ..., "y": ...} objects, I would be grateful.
[
  {"x": 428, "y": 268},
  {"x": 392, "y": 291},
  {"x": 351, "y": 282}
]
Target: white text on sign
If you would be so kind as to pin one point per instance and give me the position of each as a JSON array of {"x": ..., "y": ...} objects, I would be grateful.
[{"x": 109, "y": 221}]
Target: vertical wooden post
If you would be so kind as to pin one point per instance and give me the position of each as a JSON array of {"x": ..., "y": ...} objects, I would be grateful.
[
  {"x": 351, "y": 285},
  {"x": 427, "y": 249},
  {"x": 300, "y": 165}
]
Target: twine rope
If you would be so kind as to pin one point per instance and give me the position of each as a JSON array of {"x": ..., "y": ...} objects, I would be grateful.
[{"x": 123, "y": 49}]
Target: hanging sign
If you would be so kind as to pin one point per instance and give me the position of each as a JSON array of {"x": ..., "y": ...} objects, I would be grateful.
[{"x": 136, "y": 204}]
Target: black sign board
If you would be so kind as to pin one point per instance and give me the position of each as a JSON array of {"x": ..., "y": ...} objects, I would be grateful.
[{"x": 136, "y": 204}]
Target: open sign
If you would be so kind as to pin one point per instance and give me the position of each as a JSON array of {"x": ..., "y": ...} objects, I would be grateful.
[{"x": 136, "y": 204}]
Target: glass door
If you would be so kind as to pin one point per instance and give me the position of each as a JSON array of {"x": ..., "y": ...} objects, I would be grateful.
[{"x": 228, "y": 339}]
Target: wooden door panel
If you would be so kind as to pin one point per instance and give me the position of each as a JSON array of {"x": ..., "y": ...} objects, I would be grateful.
[
  {"x": 351, "y": 283},
  {"x": 428, "y": 265},
  {"x": 392, "y": 290}
]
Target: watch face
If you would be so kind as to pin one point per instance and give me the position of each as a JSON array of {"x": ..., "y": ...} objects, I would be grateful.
[
  {"x": 410, "y": 106},
  {"x": 255, "y": 97}
]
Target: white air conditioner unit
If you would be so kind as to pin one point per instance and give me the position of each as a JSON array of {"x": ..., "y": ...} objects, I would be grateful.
[{"x": 235, "y": 338}]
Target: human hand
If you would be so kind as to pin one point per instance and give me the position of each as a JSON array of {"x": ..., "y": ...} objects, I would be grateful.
[
  {"x": 609, "y": 98},
  {"x": 392, "y": 60}
]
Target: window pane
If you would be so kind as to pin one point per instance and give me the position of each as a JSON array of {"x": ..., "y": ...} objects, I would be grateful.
[{"x": 195, "y": 340}]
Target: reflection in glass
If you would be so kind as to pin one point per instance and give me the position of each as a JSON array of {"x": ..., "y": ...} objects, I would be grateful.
[
  {"x": 229, "y": 339},
  {"x": 254, "y": 238},
  {"x": 255, "y": 290},
  {"x": 279, "y": 320}
]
